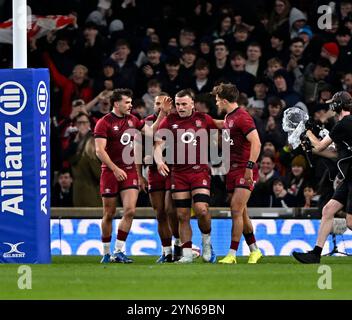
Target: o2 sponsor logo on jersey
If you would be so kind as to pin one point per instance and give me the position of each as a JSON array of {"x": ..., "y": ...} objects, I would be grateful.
[
  {"x": 14, "y": 251},
  {"x": 13, "y": 98}
]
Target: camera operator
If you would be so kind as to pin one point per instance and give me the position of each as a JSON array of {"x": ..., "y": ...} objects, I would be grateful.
[{"x": 341, "y": 135}]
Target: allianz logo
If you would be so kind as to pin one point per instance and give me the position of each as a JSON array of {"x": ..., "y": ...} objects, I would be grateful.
[
  {"x": 14, "y": 252},
  {"x": 13, "y": 98}
]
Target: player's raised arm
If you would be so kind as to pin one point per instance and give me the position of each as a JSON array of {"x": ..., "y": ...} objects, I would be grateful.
[
  {"x": 100, "y": 144},
  {"x": 165, "y": 108}
]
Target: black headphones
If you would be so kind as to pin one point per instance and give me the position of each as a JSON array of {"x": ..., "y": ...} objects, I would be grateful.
[{"x": 338, "y": 102}]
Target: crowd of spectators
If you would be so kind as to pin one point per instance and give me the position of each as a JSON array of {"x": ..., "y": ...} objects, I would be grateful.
[{"x": 272, "y": 50}]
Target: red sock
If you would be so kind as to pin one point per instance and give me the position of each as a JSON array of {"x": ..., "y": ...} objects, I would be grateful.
[
  {"x": 234, "y": 245},
  {"x": 122, "y": 235},
  {"x": 187, "y": 244},
  {"x": 106, "y": 239},
  {"x": 250, "y": 238},
  {"x": 166, "y": 242}
]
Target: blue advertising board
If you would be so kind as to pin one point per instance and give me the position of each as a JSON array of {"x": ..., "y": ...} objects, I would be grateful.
[
  {"x": 274, "y": 237},
  {"x": 24, "y": 166}
]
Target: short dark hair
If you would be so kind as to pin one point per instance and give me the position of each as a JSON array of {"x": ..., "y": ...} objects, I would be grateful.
[
  {"x": 274, "y": 101},
  {"x": 64, "y": 171},
  {"x": 236, "y": 54},
  {"x": 185, "y": 93},
  {"x": 296, "y": 39},
  {"x": 118, "y": 93},
  {"x": 122, "y": 42},
  {"x": 255, "y": 44},
  {"x": 154, "y": 47},
  {"x": 324, "y": 63},
  {"x": 153, "y": 83},
  {"x": 226, "y": 91},
  {"x": 201, "y": 64}
]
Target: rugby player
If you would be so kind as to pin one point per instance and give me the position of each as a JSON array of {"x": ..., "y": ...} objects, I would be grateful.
[
  {"x": 245, "y": 147},
  {"x": 189, "y": 181},
  {"x": 160, "y": 196},
  {"x": 114, "y": 135}
]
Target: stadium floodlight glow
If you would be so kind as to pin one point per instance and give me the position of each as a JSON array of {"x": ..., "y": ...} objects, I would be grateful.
[{"x": 19, "y": 9}]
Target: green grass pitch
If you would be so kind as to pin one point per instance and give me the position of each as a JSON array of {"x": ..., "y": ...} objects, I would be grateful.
[{"x": 79, "y": 277}]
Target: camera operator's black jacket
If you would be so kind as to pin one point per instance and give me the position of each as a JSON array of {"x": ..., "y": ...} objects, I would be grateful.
[{"x": 341, "y": 134}]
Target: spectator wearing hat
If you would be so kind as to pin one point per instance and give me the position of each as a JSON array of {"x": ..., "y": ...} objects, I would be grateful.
[
  {"x": 297, "y": 20},
  {"x": 330, "y": 51},
  {"x": 305, "y": 34},
  {"x": 315, "y": 80},
  {"x": 297, "y": 179},
  {"x": 280, "y": 197}
]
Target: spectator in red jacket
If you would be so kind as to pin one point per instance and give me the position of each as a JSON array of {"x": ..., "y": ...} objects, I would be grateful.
[{"x": 75, "y": 87}]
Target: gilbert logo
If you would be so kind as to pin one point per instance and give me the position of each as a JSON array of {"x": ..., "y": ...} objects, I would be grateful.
[
  {"x": 13, "y": 98},
  {"x": 14, "y": 251}
]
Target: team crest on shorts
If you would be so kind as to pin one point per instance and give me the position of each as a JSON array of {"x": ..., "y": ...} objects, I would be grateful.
[
  {"x": 107, "y": 190},
  {"x": 242, "y": 181},
  {"x": 198, "y": 123},
  {"x": 134, "y": 182},
  {"x": 130, "y": 123},
  {"x": 205, "y": 182},
  {"x": 172, "y": 186}
]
